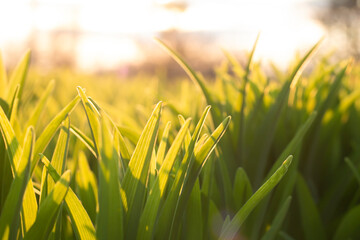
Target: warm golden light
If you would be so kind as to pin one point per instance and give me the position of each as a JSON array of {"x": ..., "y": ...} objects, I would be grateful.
[{"x": 107, "y": 32}]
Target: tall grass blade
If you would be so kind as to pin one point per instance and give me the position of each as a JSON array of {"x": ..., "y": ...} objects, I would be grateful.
[
  {"x": 10, "y": 216},
  {"x": 168, "y": 210},
  {"x": 349, "y": 227},
  {"x": 18, "y": 77},
  {"x": 231, "y": 229},
  {"x": 36, "y": 113},
  {"x": 87, "y": 187},
  {"x": 134, "y": 182},
  {"x": 156, "y": 195},
  {"x": 109, "y": 221},
  {"x": 310, "y": 217},
  {"x": 82, "y": 225},
  {"x": 201, "y": 155},
  {"x": 48, "y": 211},
  {"x": 50, "y": 130},
  {"x": 278, "y": 220}
]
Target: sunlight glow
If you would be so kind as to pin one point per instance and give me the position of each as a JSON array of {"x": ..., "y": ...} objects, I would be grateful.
[{"x": 106, "y": 28}]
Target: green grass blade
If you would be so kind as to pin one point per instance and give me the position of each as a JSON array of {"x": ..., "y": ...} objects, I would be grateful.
[
  {"x": 92, "y": 115},
  {"x": 130, "y": 134},
  {"x": 241, "y": 131},
  {"x": 193, "y": 216},
  {"x": 134, "y": 182},
  {"x": 50, "y": 130},
  {"x": 294, "y": 144},
  {"x": 87, "y": 187},
  {"x": 242, "y": 190},
  {"x": 196, "y": 79},
  {"x": 266, "y": 131},
  {"x": 200, "y": 157},
  {"x": 278, "y": 220},
  {"x": 353, "y": 169},
  {"x": 109, "y": 221},
  {"x": 310, "y": 217},
  {"x": 82, "y": 225},
  {"x": 162, "y": 146},
  {"x": 48, "y": 211},
  {"x": 10, "y": 216},
  {"x": 349, "y": 227},
  {"x": 14, "y": 151},
  {"x": 41, "y": 105},
  {"x": 18, "y": 77},
  {"x": 148, "y": 217},
  {"x": 231, "y": 229},
  {"x": 84, "y": 139},
  {"x": 60, "y": 152},
  {"x": 167, "y": 212}
]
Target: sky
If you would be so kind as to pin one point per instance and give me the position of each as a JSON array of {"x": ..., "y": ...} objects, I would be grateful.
[{"x": 108, "y": 27}]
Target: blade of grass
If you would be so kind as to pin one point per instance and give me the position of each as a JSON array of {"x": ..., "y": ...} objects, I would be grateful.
[
  {"x": 40, "y": 105},
  {"x": 18, "y": 76},
  {"x": 162, "y": 147},
  {"x": 47, "y": 214},
  {"x": 233, "y": 227},
  {"x": 10, "y": 216},
  {"x": 134, "y": 182},
  {"x": 50, "y": 130},
  {"x": 82, "y": 225},
  {"x": 148, "y": 217},
  {"x": 278, "y": 220},
  {"x": 109, "y": 221},
  {"x": 14, "y": 150},
  {"x": 310, "y": 217},
  {"x": 87, "y": 187},
  {"x": 167, "y": 212},
  {"x": 200, "y": 157}
]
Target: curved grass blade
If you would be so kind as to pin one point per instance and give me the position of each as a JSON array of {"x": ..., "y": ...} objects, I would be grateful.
[
  {"x": 193, "y": 215},
  {"x": 40, "y": 105},
  {"x": 60, "y": 152},
  {"x": 50, "y": 130},
  {"x": 18, "y": 77},
  {"x": 200, "y": 157},
  {"x": 233, "y": 227},
  {"x": 148, "y": 217},
  {"x": 162, "y": 147},
  {"x": 92, "y": 115},
  {"x": 353, "y": 169},
  {"x": 349, "y": 227},
  {"x": 14, "y": 151},
  {"x": 242, "y": 190},
  {"x": 130, "y": 134},
  {"x": 10, "y": 215},
  {"x": 278, "y": 220},
  {"x": 310, "y": 217},
  {"x": 82, "y": 225},
  {"x": 84, "y": 139},
  {"x": 87, "y": 186},
  {"x": 47, "y": 214},
  {"x": 241, "y": 131},
  {"x": 266, "y": 131},
  {"x": 109, "y": 221},
  {"x": 134, "y": 182},
  {"x": 216, "y": 114},
  {"x": 167, "y": 212}
]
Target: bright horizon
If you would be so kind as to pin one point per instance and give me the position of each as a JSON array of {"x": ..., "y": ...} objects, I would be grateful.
[{"x": 109, "y": 27}]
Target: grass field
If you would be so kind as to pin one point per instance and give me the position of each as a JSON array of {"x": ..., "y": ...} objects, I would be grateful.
[{"x": 248, "y": 155}]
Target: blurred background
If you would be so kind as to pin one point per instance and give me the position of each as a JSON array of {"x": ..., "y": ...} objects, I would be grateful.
[{"x": 117, "y": 36}]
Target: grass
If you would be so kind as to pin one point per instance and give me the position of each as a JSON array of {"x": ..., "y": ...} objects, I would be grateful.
[{"x": 245, "y": 156}]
